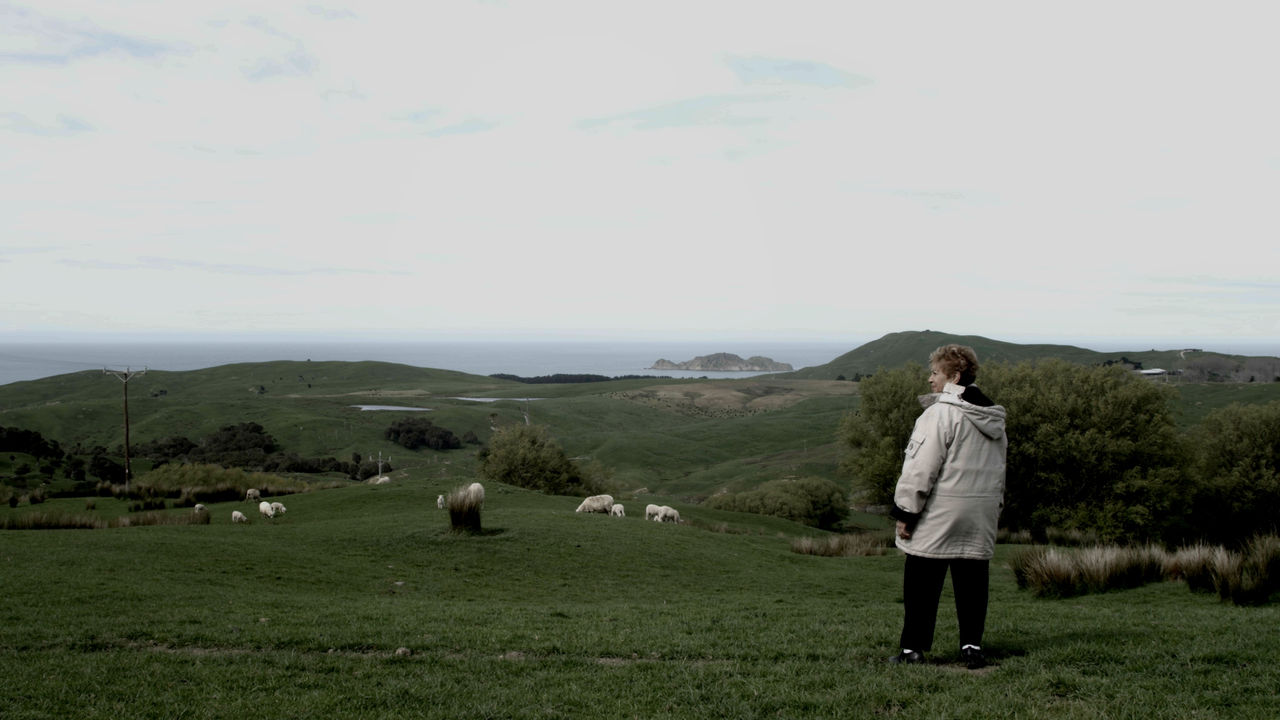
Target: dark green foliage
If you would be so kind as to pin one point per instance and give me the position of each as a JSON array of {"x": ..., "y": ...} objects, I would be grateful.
[
  {"x": 1089, "y": 447},
  {"x": 817, "y": 502},
  {"x": 106, "y": 469},
  {"x": 417, "y": 432},
  {"x": 873, "y": 438},
  {"x": 527, "y": 456},
  {"x": 14, "y": 439},
  {"x": 1238, "y": 471}
]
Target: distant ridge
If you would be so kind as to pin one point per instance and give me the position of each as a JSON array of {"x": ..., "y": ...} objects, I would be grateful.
[{"x": 913, "y": 346}]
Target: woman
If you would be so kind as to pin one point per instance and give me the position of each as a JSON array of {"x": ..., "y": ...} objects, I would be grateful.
[{"x": 947, "y": 503}]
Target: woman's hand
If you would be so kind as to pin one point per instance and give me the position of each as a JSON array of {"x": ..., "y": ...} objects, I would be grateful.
[{"x": 903, "y": 532}]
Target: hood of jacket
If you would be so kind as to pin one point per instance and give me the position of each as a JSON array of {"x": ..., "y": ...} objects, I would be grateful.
[{"x": 988, "y": 417}]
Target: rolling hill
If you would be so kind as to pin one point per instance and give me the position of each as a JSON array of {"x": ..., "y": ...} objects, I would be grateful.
[{"x": 896, "y": 349}]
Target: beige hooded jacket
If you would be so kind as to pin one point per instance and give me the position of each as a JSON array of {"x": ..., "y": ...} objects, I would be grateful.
[{"x": 951, "y": 489}]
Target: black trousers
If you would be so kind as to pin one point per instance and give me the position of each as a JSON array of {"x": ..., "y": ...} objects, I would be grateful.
[{"x": 922, "y": 581}]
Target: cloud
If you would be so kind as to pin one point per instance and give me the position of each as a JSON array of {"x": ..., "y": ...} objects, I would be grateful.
[
  {"x": 48, "y": 41},
  {"x": 173, "y": 264},
  {"x": 773, "y": 71},
  {"x": 62, "y": 126},
  {"x": 466, "y": 127},
  {"x": 698, "y": 111}
]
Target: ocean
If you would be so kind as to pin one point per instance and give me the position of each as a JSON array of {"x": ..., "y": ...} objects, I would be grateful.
[{"x": 35, "y": 360}]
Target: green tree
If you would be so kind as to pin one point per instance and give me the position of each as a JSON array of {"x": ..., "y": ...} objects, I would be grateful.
[
  {"x": 528, "y": 456},
  {"x": 1237, "y": 470},
  {"x": 873, "y": 438},
  {"x": 1089, "y": 447}
]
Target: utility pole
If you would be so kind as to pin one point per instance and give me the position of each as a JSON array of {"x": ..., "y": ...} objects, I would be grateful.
[{"x": 124, "y": 376}]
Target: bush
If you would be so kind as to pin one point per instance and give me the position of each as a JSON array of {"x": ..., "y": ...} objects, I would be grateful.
[
  {"x": 418, "y": 432},
  {"x": 528, "y": 457},
  {"x": 1050, "y": 572},
  {"x": 817, "y": 502}
]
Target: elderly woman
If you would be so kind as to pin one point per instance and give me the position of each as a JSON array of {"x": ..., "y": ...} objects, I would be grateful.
[{"x": 947, "y": 502}]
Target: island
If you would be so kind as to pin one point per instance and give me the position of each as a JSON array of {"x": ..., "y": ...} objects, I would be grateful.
[{"x": 724, "y": 362}]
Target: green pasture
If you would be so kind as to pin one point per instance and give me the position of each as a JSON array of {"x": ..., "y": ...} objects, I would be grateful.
[{"x": 552, "y": 614}]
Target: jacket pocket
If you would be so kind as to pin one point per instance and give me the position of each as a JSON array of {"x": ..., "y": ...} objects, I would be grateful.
[{"x": 913, "y": 447}]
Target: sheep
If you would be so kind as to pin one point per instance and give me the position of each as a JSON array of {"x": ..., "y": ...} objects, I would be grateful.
[
  {"x": 476, "y": 491},
  {"x": 252, "y": 494},
  {"x": 439, "y": 502},
  {"x": 238, "y": 517},
  {"x": 596, "y": 503},
  {"x": 666, "y": 513},
  {"x": 618, "y": 511},
  {"x": 264, "y": 507},
  {"x": 277, "y": 508},
  {"x": 651, "y": 511},
  {"x": 200, "y": 508}
]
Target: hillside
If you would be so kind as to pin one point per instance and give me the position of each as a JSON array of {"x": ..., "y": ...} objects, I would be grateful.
[{"x": 896, "y": 349}]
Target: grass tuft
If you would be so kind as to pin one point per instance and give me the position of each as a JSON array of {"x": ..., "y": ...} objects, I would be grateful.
[{"x": 843, "y": 545}]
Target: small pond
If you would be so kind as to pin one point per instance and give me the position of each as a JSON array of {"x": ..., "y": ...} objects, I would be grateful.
[{"x": 402, "y": 408}]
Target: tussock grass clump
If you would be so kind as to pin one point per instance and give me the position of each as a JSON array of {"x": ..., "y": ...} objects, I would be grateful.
[
  {"x": 1196, "y": 565},
  {"x": 1252, "y": 576},
  {"x": 1051, "y": 572},
  {"x": 843, "y": 545},
  {"x": 464, "y": 504}
]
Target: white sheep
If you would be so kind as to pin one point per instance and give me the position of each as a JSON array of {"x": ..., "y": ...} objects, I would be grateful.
[
  {"x": 277, "y": 508},
  {"x": 666, "y": 513},
  {"x": 476, "y": 492},
  {"x": 439, "y": 502},
  {"x": 618, "y": 511},
  {"x": 264, "y": 507},
  {"x": 596, "y": 503},
  {"x": 238, "y": 517},
  {"x": 652, "y": 511},
  {"x": 252, "y": 494},
  {"x": 200, "y": 508}
]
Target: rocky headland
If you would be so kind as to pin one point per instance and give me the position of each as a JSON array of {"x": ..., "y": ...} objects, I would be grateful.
[{"x": 724, "y": 362}]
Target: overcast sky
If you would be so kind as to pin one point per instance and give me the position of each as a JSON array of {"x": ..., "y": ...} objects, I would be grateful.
[{"x": 784, "y": 170}]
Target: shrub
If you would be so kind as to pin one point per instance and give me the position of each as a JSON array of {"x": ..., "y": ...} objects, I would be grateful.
[
  {"x": 1050, "y": 572},
  {"x": 528, "y": 457},
  {"x": 418, "y": 432},
  {"x": 1238, "y": 471},
  {"x": 817, "y": 502}
]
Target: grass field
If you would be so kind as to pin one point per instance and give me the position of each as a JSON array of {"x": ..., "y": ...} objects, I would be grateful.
[{"x": 551, "y": 614}]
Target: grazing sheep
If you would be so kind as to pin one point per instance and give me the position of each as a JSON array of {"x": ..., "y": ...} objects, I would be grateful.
[
  {"x": 277, "y": 508},
  {"x": 264, "y": 507},
  {"x": 666, "y": 513},
  {"x": 596, "y": 504},
  {"x": 439, "y": 502},
  {"x": 651, "y": 512},
  {"x": 618, "y": 511},
  {"x": 238, "y": 517},
  {"x": 252, "y": 494}
]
